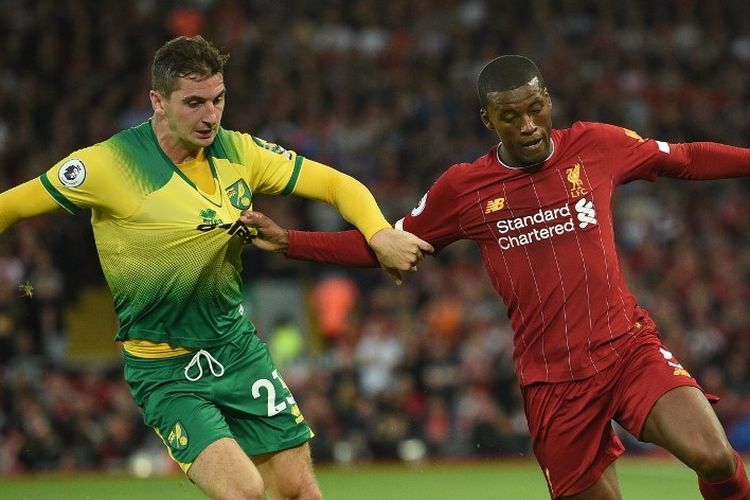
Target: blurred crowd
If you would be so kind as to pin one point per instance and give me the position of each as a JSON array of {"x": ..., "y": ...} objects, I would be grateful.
[{"x": 385, "y": 93}]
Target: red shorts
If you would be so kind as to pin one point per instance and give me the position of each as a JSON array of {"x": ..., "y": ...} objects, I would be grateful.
[{"x": 570, "y": 422}]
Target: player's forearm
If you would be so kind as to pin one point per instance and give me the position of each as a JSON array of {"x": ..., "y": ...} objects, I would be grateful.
[
  {"x": 21, "y": 202},
  {"x": 349, "y": 196},
  {"x": 706, "y": 160},
  {"x": 345, "y": 248}
]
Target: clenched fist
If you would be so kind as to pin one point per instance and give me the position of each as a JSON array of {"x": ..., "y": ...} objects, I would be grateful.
[{"x": 398, "y": 251}]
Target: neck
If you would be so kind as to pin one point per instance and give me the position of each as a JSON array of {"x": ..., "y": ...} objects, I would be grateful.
[
  {"x": 528, "y": 166},
  {"x": 175, "y": 150}
]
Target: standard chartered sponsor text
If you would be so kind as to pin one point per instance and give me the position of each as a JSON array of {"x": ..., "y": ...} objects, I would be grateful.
[{"x": 557, "y": 221}]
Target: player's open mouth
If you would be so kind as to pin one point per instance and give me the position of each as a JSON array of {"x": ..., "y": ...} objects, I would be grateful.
[
  {"x": 533, "y": 144},
  {"x": 204, "y": 134}
]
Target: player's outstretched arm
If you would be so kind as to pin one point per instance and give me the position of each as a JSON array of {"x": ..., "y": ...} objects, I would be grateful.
[
  {"x": 24, "y": 201},
  {"x": 269, "y": 236},
  {"x": 345, "y": 248},
  {"x": 397, "y": 251}
]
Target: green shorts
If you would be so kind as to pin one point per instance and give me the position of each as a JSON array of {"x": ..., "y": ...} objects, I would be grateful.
[{"x": 249, "y": 402}]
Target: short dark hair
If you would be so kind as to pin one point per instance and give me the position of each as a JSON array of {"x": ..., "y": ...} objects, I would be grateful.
[
  {"x": 183, "y": 56},
  {"x": 506, "y": 73}
]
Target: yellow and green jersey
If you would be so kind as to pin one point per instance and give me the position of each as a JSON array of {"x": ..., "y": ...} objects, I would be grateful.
[{"x": 169, "y": 251}]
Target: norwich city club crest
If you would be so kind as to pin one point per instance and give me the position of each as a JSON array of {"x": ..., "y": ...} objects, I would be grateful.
[
  {"x": 177, "y": 438},
  {"x": 240, "y": 195}
]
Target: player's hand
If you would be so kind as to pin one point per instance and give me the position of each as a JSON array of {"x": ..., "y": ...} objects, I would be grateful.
[
  {"x": 398, "y": 252},
  {"x": 271, "y": 237}
]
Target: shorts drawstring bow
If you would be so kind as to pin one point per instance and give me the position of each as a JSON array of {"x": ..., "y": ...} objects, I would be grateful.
[{"x": 217, "y": 369}]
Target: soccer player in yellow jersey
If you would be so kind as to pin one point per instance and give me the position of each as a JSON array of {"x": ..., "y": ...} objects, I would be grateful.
[{"x": 165, "y": 198}]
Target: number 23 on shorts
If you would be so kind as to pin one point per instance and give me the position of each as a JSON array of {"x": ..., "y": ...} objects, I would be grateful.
[{"x": 265, "y": 388}]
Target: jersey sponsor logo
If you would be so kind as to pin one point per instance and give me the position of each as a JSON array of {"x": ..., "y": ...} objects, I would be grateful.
[
  {"x": 240, "y": 195},
  {"x": 586, "y": 213},
  {"x": 494, "y": 205},
  {"x": 420, "y": 206},
  {"x": 72, "y": 173},
  {"x": 211, "y": 222},
  {"x": 555, "y": 221},
  {"x": 576, "y": 183},
  {"x": 177, "y": 439}
]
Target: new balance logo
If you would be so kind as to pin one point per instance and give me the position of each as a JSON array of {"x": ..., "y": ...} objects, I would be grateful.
[{"x": 494, "y": 205}]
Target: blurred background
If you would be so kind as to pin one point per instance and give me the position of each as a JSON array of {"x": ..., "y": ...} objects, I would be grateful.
[{"x": 385, "y": 92}]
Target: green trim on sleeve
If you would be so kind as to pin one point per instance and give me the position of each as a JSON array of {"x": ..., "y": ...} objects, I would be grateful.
[
  {"x": 295, "y": 175},
  {"x": 58, "y": 196}
]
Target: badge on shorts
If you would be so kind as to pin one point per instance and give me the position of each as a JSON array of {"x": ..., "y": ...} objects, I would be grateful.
[{"x": 177, "y": 438}]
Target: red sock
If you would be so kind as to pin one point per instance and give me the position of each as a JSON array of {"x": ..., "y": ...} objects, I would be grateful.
[{"x": 736, "y": 487}]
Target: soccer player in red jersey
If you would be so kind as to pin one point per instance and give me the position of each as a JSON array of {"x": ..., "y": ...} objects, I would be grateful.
[{"x": 538, "y": 204}]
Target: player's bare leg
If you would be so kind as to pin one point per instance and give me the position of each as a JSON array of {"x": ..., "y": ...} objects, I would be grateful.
[
  {"x": 224, "y": 471},
  {"x": 289, "y": 474},
  {"x": 683, "y": 422},
  {"x": 605, "y": 488}
]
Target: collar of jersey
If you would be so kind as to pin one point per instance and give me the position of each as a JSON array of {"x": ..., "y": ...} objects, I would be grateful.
[
  {"x": 501, "y": 162},
  {"x": 212, "y": 199}
]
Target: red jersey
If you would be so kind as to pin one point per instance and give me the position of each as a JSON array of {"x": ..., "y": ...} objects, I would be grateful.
[{"x": 547, "y": 240}]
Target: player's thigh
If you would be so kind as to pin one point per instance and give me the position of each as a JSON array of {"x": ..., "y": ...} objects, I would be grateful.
[
  {"x": 649, "y": 373},
  {"x": 571, "y": 432},
  {"x": 289, "y": 473},
  {"x": 605, "y": 488},
  {"x": 659, "y": 402},
  {"x": 222, "y": 470},
  {"x": 180, "y": 412},
  {"x": 683, "y": 422}
]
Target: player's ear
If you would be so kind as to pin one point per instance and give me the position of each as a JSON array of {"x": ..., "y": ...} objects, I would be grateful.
[
  {"x": 486, "y": 118},
  {"x": 157, "y": 101}
]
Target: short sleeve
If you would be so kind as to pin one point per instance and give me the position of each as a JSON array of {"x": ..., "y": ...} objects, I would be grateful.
[
  {"x": 435, "y": 218},
  {"x": 272, "y": 169},
  {"x": 79, "y": 181}
]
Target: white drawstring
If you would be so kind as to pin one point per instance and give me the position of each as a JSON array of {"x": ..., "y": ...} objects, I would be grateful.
[{"x": 212, "y": 362}]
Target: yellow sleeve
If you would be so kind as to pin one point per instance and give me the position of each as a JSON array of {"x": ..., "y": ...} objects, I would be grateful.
[
  {"x": 23, "y": 201},
  {"x": 84, "y": 179},
  {"x": 273, "y": 170},
  {"x": 276, "y": 170},
  {"x": 349, "y": 196}
]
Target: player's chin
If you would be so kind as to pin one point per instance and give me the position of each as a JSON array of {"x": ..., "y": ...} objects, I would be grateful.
[
  {"x": 529, "y": 160},
  {"x": 538, "y": 153}
]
